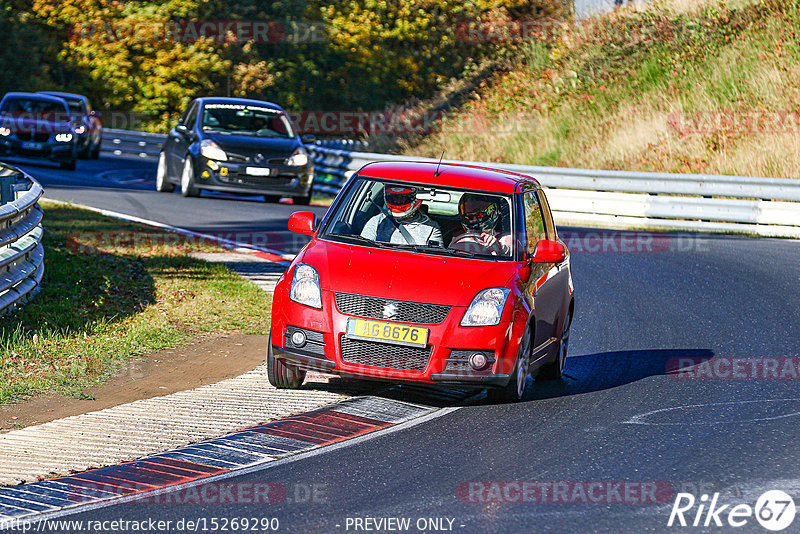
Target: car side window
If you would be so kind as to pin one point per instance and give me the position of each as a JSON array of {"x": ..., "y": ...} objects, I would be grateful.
[
  {"x": 534, "y": 221},
  {"x": 190, "y": 117},
  {"x": 548, "y": 217}
]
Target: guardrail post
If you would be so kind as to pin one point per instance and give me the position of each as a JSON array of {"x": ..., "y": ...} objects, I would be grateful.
[{"x": 7, "y": 190}]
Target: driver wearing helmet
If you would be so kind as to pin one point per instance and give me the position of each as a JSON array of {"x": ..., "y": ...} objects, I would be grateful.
[
  {"x": 405, "y": 223},
  {"x": 479, "y": 215}
]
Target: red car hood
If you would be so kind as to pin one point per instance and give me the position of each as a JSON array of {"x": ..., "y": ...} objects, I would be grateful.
[{"x": 404, "y": 275}]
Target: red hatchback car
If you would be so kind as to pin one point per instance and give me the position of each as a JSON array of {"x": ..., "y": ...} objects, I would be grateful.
[{"x": 451, "y": 275}]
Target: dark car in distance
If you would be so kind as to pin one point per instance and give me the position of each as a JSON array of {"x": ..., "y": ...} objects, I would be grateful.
[
  {"x": 86, "y": 123},
  {"x": 38, "y": 126},
  {"x": 239, "y": 146}
]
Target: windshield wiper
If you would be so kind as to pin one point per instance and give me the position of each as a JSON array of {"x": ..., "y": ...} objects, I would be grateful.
[{"x": 357, "y": 238}]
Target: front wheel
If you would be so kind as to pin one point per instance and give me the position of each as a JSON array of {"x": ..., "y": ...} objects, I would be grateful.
[
  {"x": 188, "y": 189},
  {"x": 163, "y": 185},
  {"x": 95, "y": 152},
  {"x": 555, "y": 370},
  {"x": 68, "y": 165},
  {"x": 280, "y": 374},
  {"x": 302, "y": 201},
  {"x": 515, "y": 389}
]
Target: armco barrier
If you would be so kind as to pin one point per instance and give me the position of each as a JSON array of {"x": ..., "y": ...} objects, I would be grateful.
[
  {"x": 767, "y": 207},
  {"x": 21, "y": 252}
]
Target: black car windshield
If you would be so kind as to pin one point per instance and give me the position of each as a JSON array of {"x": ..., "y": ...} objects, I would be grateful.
[
  {"x": 246, "y": 120},
  {"x": 427, "y": 219},
  {"x": 76, "y": 106},
  {"x": 33, "y": 106}
]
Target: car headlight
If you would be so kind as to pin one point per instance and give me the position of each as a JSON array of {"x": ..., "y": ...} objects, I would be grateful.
[
  {"x": 212, "y": 150},
  {"x": 5, "y": 131},
  {"x": 305, "y": 286},
  {"x": 486, "y": 308},
  {"x": 298, "y": 159},
  {"x": 64, "y": 137},
  {"x": 80, "y": 129}
]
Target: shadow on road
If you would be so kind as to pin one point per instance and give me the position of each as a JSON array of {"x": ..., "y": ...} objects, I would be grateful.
[{"x": 606, "y": 370}]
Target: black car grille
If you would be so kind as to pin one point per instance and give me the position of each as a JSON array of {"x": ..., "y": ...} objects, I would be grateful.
[
  {"x": 38, "y": 137},
  {"x": 268, "y": 181},
  {"x": 384, "y": 355},
  {"x": 373, "y": 307}
]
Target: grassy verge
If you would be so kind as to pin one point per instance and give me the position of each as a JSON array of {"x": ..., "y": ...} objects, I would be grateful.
[
  {"x": 707, "y": 86},
  {"x": 112, "y": 291}
]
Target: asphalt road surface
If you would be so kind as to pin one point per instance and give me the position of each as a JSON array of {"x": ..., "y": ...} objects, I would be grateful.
[{"x": 605, "y": 450}]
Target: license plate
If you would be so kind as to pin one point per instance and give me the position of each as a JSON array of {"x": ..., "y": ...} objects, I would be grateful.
[
  {"x": 261, "y": 171},
  {"x": 398, "y": 334},
  {"x": 32, "y": 145}
]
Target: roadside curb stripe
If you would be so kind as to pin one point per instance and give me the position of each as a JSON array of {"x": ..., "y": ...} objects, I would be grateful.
[{"x": 249, "y": 447}]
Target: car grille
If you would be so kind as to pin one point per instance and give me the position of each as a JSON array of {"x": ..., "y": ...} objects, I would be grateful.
[
  {"x": 268, "y": 181},
  {"x": 384, "y": 355},
  {"x": 373, "y": 307}
]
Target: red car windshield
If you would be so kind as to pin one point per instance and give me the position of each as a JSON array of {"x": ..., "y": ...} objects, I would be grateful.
[{"x": 427, "y": 219}]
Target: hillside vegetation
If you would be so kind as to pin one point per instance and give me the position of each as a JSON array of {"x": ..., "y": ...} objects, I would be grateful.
[{"x": 678, "y": 86}]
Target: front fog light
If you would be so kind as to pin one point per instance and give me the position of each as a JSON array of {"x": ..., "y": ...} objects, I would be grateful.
[
  {"x": 478, "y": 361},
  {"x": 298, "y": 339},
  {"x": 305, "y": 286}
]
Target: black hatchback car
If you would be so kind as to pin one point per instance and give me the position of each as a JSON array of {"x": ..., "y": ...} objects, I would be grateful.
[{"x": 239, "y": 146}]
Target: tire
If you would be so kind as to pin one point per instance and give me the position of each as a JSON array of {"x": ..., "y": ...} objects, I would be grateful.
[
  {"x": 188, "y": 189},
  {"x": 302, "y": 201},
  {"x": 68, "y": 165},
  {"x": 95, "y": 152},
  {"x": 272, "y": 198},
  {"x": 515, "y": 389},
  {"x": 280, "y": 374},
  {"x": 555, "y": 370},
  {"x": 163, "y": 185}
]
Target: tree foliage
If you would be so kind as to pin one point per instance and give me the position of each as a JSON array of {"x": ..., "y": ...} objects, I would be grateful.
[{"x": 364, "y": 54}]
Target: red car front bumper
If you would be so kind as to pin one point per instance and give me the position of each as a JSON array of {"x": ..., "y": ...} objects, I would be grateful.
[{"x": 445, "y": 360}]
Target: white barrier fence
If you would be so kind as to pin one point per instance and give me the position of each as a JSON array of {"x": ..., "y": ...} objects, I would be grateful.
[
  {"x": 767, "y": 207},
  {"x": 21, "y": 251}
]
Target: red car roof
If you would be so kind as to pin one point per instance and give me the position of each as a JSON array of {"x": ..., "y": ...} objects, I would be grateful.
[{"x": 450, "y": 175}]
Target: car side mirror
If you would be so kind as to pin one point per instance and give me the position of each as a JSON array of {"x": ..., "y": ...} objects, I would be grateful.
[
  {"x": 308, "y": 139},
  {"x": 97, "y": 114},
  {"x": 181, "y": 129},
  {"x": 548, "y": 251},
  {"x": 302, "y": 222}
]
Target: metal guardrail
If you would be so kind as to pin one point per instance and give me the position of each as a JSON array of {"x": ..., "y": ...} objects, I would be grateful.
[
  {"x": 768, "y": 207},
  {"x": 21, "y": 251}
]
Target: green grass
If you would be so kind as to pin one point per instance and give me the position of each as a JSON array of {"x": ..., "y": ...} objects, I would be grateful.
[{"x": 113, "y": 291}]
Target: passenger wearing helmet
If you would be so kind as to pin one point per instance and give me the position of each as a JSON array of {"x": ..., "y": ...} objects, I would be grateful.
[
  {"x": 479, "y": 215},
  {"x": 405, "y": 223}
]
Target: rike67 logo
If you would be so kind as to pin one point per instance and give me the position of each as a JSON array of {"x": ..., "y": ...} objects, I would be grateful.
[{"x": 774, "y": 510}]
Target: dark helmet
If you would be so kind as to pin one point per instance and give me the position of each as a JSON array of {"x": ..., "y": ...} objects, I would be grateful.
[
  {"x": 479, "y": 213},
  {"x": 402, "y": 201}
]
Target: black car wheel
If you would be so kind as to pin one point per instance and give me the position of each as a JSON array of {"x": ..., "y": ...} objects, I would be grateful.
[
  {"x": 188, "y": 189},
  {"x": 515, "y": 389},
  {"x": 163, "y": 185},
  {"x": 272, "y": 198},
  {"x": 95, "y": 152},
  {"x": 303, "y": 201},
  {"x": 281, "y": 375},
  {"x": 68, "y": 165},
  {"x": 555, "y": 370}
]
